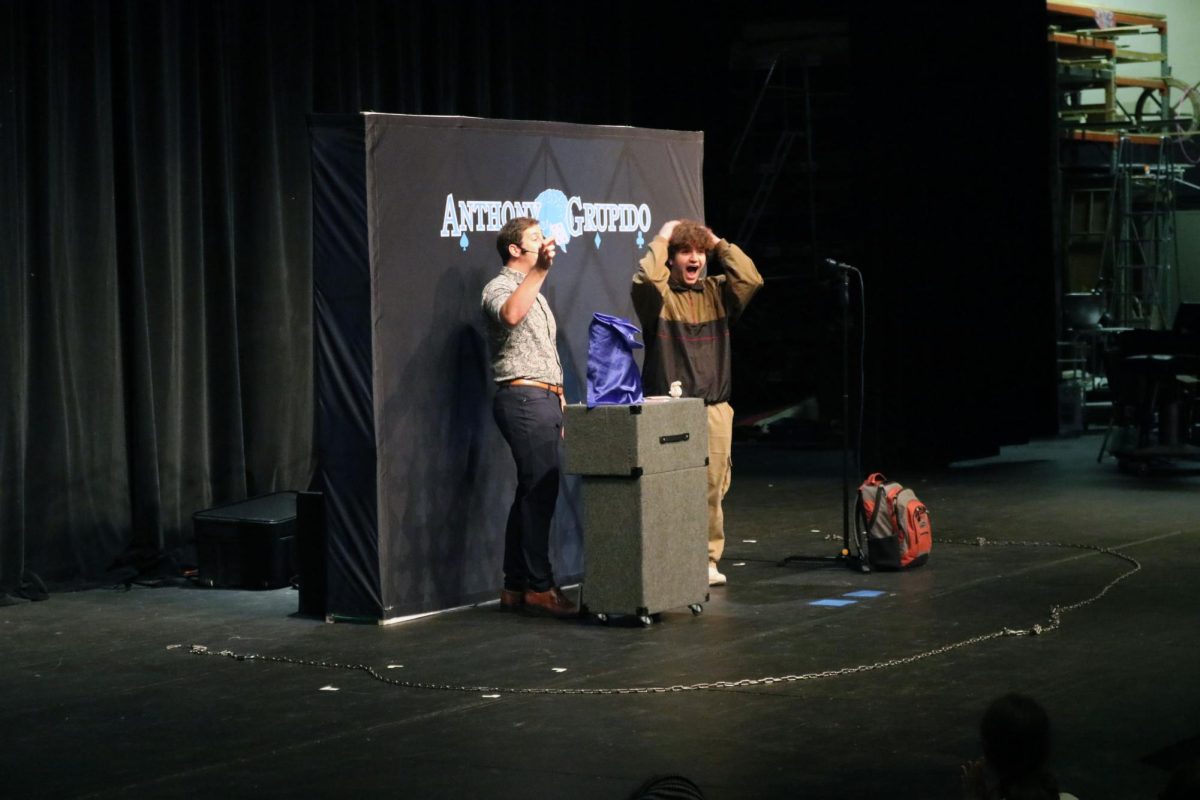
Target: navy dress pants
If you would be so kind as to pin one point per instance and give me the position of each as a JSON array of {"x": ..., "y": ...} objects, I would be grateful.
[{"x": 531, "y": 421}]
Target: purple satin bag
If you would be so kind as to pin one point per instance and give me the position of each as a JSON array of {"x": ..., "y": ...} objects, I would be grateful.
[{"x": 613, "y": 375}]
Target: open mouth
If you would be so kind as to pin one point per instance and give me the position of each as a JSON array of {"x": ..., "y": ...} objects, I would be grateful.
[{"x": 692, "y": 270}]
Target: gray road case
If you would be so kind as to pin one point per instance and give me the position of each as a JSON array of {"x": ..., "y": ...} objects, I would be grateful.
[{"x": 645, "y": 486}]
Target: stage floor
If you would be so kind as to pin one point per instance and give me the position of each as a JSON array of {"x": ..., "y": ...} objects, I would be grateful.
[{"x": 102, "y": 697}]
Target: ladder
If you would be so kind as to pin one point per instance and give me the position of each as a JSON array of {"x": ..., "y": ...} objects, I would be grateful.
[{"x": 1144, "y": 241}]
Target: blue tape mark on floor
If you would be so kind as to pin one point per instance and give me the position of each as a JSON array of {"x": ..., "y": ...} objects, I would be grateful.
[
  {"x": 830, "y": 602},
  {"x": 864, "y": 593}
]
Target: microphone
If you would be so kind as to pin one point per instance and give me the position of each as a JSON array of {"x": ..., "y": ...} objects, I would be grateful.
[
  {"x": 535, "y": 252},
  {"x": 830, "y": 269}
]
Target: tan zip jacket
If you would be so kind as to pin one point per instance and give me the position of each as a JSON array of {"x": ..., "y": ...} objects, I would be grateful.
[{"x": 686, "y": 329}]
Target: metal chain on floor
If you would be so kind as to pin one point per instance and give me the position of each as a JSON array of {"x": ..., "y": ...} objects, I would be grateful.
[{"x": 1054, "y": 623}]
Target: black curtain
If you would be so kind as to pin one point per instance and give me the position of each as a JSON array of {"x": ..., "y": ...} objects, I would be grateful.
[
  {"x": 155, "y": 223},
  {"x": 954, "y": 197},
  {"x": 156, "y": 291}
]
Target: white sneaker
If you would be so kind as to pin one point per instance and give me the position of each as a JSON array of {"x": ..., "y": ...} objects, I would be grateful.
[{"x": 715, "y": 578}]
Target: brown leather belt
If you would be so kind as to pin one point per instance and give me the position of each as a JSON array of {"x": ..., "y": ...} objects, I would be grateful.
[{"x": 549, "y": 387}]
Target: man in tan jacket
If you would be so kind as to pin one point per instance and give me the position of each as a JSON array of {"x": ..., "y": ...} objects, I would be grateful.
[{"x": 685, "y": 317}]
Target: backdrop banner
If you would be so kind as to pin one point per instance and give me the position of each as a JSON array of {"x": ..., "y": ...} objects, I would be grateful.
[{"x": 416, "y": 475}]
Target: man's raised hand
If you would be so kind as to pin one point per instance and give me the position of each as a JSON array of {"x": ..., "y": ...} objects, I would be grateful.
[{"x": 546, "y": 255}]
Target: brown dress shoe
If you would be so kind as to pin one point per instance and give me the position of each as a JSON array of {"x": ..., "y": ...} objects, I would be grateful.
[
  {"x": 511, "y": 599},
  {"x": 551, "y": 603}
]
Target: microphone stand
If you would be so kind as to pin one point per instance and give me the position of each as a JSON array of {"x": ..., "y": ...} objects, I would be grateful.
[{"x": 858, "y": 561}]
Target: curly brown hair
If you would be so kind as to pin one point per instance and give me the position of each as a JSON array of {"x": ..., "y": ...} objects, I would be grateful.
[{"x": 688, "y": 233}]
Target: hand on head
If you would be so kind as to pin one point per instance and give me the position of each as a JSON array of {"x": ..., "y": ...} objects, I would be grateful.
[{"x": 668, "y": 229}]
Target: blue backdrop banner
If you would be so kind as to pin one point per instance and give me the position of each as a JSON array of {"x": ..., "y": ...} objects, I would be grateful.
[{"x": 406, "y": 209}]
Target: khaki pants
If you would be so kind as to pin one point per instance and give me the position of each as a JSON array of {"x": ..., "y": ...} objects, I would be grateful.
[{"x": 720, "y": 473}]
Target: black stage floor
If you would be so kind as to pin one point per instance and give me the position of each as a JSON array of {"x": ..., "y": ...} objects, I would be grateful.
[{"x": 100, "y": 699}]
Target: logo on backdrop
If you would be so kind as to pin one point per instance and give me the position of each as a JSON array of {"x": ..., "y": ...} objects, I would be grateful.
[{"x": 561, "y": 217}]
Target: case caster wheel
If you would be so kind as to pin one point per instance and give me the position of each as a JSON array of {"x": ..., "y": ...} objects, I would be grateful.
[
  {"x": 697, "y": 609},
  {"x": 646, "y": 620}
]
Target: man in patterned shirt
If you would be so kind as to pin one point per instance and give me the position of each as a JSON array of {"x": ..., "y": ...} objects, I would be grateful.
[{"x": 529, "y": 410}]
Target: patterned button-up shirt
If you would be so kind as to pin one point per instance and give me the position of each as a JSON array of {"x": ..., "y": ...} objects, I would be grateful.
[{"x": 526, "y": 350}]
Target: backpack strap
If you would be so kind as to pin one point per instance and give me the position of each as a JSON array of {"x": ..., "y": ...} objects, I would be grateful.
[
  {"x": 860, "y": 529},
  {"x": 897, "y": 526},
  {"x": 880, "y": 496}
]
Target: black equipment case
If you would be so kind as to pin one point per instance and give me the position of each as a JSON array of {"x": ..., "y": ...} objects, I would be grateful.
[{"x": 248, "y": 545}]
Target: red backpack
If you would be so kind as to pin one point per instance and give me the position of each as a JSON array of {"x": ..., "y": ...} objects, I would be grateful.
[{"x": 892, "y": 524}]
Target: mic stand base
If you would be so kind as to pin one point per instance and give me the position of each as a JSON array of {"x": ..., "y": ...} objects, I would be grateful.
[
  {"x": 859, "y": 562},
  {"x": 841, "y": 559}
]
